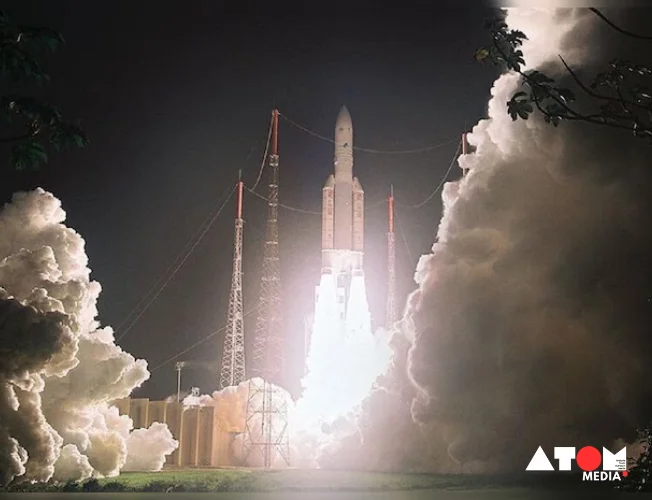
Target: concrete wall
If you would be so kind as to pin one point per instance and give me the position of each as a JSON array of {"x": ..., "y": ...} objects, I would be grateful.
[
  {"x": 156, "y": 412},
  {"x": 139, "y": 412},
  {"x": 203, "y": 440},
  {"x": 174, "y": 421}
]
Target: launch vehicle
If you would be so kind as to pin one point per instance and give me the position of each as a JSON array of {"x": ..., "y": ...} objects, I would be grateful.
[{"x": 342, "y": 242}]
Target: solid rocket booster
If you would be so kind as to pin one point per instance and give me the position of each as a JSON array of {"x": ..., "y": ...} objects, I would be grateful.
[
  {"x": 358, "y": 216},
  {"x": 327, "y": 213},
  {"x": 343, "y": 206}
]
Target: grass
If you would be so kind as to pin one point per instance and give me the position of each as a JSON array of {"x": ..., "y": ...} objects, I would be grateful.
[{"x": 244, "y": 480}]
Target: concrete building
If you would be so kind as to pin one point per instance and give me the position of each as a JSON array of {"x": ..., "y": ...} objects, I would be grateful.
[{"x": 203, "y": 439}]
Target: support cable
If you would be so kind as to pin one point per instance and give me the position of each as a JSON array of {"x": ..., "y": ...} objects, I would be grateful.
[
  {"x": 199, "y": 342},
  {"x": 264, "y": 161},
  {"x": 300, "y": 210},
  {"x": 441, "y": 183},
  {"x": 309, "y": 212},
  {"x": 367, "y": 150},
  {"x": 162, "y": 277},
  {"x": 176, "y": 269},
  {"x": 402, "y": 230},
  {"x": 203, "y": 228}
]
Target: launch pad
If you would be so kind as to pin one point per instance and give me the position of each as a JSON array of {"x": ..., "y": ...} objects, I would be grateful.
[{"x": 340, "y": 328}]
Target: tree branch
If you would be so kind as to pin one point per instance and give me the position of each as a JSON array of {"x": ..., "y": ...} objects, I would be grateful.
[
  {"x": 617, "y": 28},
  {"x": 594, "y": 94},
  {"x": 594, "y": 119}
]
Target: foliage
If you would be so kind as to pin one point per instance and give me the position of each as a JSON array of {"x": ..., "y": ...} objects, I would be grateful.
[
  {"x": 638, "y": 477},
  {"x": 620, "y": 96},
  {"x": 31, "y": 124}
]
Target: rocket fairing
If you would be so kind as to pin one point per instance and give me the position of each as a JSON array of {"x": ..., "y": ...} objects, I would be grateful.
[{"x": 343, "y": 207}]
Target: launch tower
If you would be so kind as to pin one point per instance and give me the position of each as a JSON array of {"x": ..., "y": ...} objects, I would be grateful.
[
  {"x": 464, "y": 151},
  {"x": 266, "y": 425},
  {"x": 391, "y": 264},
  {"x": 233, "y": 355}
]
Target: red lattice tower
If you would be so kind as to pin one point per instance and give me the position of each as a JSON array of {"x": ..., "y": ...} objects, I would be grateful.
[
  {"x": 233, "y": 354},
  {"x": 266, "y": 426},
  {"x": 391, "y": 315}
]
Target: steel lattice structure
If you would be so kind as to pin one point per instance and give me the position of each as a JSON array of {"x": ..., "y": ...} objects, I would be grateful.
[
  {"x": 464, "y": 151},
  {"x": 266, "y": 427},
  {"x": 391, "y": 315},
  {"x": 233, "y": 354}
]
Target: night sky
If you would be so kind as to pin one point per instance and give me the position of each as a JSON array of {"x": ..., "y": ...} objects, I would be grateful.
[{"x": 175, "y": 99}]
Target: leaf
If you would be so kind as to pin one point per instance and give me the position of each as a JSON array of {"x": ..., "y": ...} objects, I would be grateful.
[
  {"x": 496, "y": 24},
  {"x": 519, "y": 108},
  {"x": 27, "y": 155},
  {"x": 640, "y": 130},
  {"x": 517, "y": 60},
  {"x": 39, "y": 38},
  {"x": 481, "y": 54},
  {"x": 20, "y": 46},
  {"x": 32, "y": 109},
  {"x": 566, "y": 95},
  {"x": 539, "y": 93},
  {"x": 537, "y": 78},
  {"x": 643, "y": 96},
  {"x": 556, "y": 109},
  {"x": 68, "y": 136},
  {"x": 524, "y": 110},
  {"x": 553, "y": 119},
  {"x": 519, "y": 35}
]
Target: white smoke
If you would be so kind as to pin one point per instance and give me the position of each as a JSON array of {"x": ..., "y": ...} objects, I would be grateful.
[
  {"x": 526, "y": 327},
  {"x": 60, "y": 371},
  {"x": 231, "y": 404}
]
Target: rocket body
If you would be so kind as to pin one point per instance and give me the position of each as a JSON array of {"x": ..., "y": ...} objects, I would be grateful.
[
  {"x": 341, "y": 331},
  {"x": 341, "y": 307},
  {"x": 343, "y": 208},
  {"x": 343, "y": 164}
]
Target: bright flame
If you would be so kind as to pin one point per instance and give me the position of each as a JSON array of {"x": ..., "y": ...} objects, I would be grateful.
[{"x": 344, "y": 360}]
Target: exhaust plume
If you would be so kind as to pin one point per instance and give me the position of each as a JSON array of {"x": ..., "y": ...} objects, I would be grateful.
[
  {"x": 60, "y": 370},
  {"x": 529, "y": 323}
]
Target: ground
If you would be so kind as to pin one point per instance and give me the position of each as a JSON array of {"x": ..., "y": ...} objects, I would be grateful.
[{"x": 244, "y": 480}]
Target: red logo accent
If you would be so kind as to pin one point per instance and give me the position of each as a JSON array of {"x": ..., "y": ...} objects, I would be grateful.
[{"x": 588, "y": 458}]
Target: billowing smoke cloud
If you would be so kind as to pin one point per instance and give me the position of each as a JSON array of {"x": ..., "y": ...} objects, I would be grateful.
[
  {"x": 530, "y": 322},
  {"x": 59, "y": 371},
  {"x": 230, "y": 406}
]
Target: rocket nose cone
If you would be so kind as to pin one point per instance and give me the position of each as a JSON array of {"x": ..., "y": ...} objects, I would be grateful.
[{"x": 344, "y": 117}]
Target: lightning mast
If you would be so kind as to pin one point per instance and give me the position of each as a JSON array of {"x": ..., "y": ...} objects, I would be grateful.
[
  {"x": 464, "y": 148},
  {"x": 233, "y": 355},
  {"x": 391, "y": 264},
  {"x": 266, "y": 425}
]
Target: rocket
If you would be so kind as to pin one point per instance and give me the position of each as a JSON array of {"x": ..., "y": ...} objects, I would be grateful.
[{"x": 343, "y": 207}]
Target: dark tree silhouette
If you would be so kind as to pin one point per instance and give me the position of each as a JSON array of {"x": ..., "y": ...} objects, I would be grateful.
[
  {"x": 30, "y": 124},
  {"x": 619, "y": 97},
  {"x": 638, "y": 477}
]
